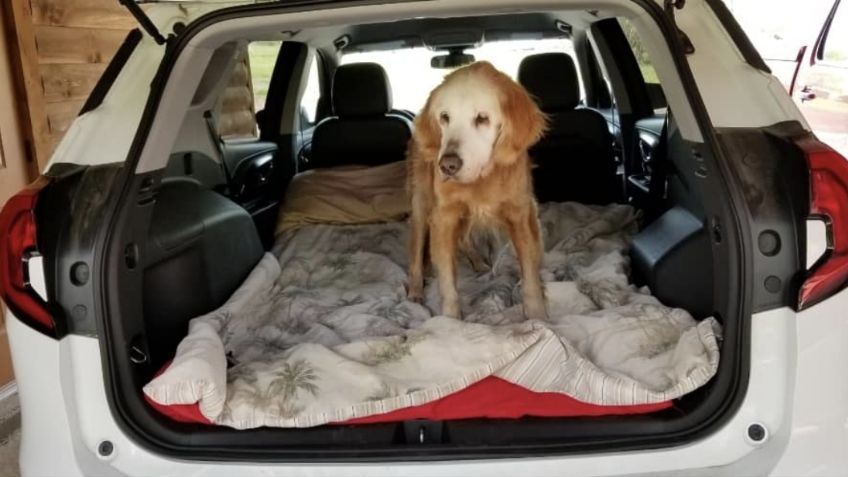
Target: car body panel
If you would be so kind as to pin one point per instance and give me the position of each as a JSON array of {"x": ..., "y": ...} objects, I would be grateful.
[
  {"x": 819, "y": 434},
  {"x": 756, "y": 98},
  {"x": 791, "y": 356},
  {"x": 56, "y": 378}
]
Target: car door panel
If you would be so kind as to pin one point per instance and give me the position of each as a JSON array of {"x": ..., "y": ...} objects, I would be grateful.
[
  {"x": 251, "y": 168},
  {"x": 648, "y": 136}
]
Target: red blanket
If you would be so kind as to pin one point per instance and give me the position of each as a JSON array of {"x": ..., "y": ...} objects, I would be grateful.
[{"x": 491, "y": 398}]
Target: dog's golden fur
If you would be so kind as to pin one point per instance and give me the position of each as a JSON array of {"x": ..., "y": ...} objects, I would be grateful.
[{"x": 502, "y": 197}]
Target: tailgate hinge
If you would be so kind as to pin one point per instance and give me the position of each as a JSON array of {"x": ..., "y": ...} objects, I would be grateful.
[
  {"x": 670, "y": 7},
  {"x": 143, "y": 20}
]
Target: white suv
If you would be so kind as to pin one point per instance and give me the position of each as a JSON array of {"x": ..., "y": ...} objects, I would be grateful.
[{"x": 144, "y": 219}]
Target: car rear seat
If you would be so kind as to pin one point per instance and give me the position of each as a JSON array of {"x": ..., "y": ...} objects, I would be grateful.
[
  {"x": 574, "y": 160},
  {"x": 364, "y": 130}
]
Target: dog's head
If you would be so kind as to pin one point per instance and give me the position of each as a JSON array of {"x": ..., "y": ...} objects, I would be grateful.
[{"x": 477, "y": 118}]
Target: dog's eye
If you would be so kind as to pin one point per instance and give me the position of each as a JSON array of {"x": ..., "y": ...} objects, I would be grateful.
[
  {"x": 444, "y": 118},
  {"x": 482, "y": 119}
]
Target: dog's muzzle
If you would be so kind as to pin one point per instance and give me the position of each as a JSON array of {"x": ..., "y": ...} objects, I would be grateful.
[{"x": 450, "y": 164}]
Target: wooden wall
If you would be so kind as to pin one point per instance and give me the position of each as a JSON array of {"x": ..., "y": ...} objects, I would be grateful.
[
  {"x": 15, "y": 169},
  {"x": 238, "y": 115},
  {"x": 64, "y": 48}
]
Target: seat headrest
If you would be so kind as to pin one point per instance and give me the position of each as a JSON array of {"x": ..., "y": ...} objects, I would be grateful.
[
  {"x": 361, "y": 89},
  {"x": 551, "y": 78}
]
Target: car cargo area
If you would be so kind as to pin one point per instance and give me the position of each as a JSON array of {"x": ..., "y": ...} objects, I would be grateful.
[{"x": 266, "y": 311}]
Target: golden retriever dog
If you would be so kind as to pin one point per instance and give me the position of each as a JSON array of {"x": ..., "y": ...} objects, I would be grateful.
[{"x": 469, "y": 170}]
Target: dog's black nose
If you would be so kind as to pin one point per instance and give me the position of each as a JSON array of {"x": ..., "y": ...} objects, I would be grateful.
[{"x": 450, "y": 164}]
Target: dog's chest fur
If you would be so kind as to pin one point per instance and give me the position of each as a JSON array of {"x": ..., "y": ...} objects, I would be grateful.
[{"x": 486, "y": 201}]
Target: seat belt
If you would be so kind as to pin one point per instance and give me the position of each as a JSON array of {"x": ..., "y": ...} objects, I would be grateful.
[{"x": 216, "y": 139}]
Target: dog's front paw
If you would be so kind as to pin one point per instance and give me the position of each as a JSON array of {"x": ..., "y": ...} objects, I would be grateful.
[
  {"x": 535, "y": 311},
  {"x": 452, "y": 310},
  {"x": 415, "y": 295}
]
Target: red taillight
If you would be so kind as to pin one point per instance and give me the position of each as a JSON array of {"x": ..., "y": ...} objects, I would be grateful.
[
  {"x": 828, "y": 201},
  {"x": 17, "y": 245}
]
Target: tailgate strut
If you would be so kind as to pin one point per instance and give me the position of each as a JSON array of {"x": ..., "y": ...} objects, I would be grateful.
[
  {"x": 669, "y": 7},
  {"x": 143, "y": 20}
]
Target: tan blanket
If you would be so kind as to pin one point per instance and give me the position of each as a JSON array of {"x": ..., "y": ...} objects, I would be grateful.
[{"x": 345, "y": 195}]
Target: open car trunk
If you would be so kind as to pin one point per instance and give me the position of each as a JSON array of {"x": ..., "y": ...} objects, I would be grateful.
[
  {"x": 322, "y": 331},
  {"x": 320, "y": 341},
  {"x": 271, "y": 271}
]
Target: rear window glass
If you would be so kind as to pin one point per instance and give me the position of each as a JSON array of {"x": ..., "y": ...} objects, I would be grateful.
[
  {"x": 412, "y": 78},
  {"x": 649, "y": 74}
]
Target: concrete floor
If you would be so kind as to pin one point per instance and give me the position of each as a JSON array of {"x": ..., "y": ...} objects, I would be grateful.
[{"x": 10, "y": 436}]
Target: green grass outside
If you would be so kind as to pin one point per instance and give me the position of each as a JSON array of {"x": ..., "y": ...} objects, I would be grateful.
[
  {"x": 649, "y": 73},
  {"x": 263, "y": 55}
]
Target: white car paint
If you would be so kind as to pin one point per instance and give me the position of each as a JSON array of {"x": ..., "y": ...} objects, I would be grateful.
[
  {"x": 818, "y": 444},
  {"x": 796, "y": 388},
  {"x": 67, "y": 415},
  {"x": 792, "y": 393}
]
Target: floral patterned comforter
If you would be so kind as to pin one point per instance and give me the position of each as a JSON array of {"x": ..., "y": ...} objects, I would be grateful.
[{"x": 321, "y": 330}]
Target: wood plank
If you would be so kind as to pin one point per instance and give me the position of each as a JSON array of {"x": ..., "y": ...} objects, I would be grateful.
[
  {"x": 238, "y": 124},
  {"x": 61, "y": 115},
  {"x": 69, "y": 82},
  {"x": 30, "y": 81},
  {"x": 237, "y": 118},
  {"x": 249, "y": 81},
  {"x": 6, "y": 374},
  {"x": 17, "y": 166},
  {"x": 240, "y": 75},
  {"x": 76, "y": 45},
  {"x": 99, "y": 14},
  {"x": 54, "y": 141},
  {"x": 236, "y": 98}
]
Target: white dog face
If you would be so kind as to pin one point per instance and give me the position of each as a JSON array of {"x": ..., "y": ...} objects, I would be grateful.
[
  {"x": 469, "y": 116},
  {"x": 477, "y": 119}
]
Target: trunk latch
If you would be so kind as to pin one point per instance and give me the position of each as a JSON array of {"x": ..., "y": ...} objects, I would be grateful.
[{"x": 422, "y": 431}]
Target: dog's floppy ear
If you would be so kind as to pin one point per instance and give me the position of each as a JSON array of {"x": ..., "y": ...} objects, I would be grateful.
[
  {"x": 523, "y": 121},
  {"x": 427, "y": 134}
]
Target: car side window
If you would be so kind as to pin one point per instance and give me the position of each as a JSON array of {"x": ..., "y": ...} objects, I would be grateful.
[
  {"x": 311, "y": 96},
  {"x": 649, "y": 74},
  {"x": 263, "y": 57},
  {"x": 599, "y": 96}
]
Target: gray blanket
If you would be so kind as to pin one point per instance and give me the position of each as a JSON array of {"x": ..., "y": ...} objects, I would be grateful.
[{"x": 322, "y": 332}]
